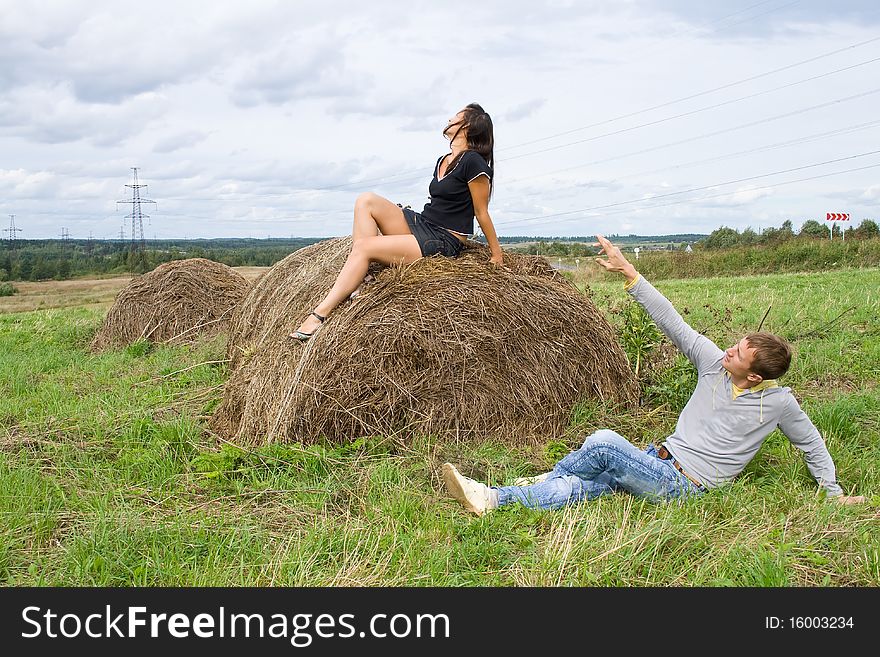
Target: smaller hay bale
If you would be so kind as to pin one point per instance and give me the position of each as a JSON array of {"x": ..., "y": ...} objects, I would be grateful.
[{"x": 177, "y": 302}]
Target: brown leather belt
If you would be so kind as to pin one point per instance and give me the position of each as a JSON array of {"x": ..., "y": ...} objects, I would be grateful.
[{"x": 664, "y": 455}]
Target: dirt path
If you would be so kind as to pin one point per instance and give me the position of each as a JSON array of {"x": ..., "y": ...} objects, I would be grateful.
[{"x": 79, "y": 292}]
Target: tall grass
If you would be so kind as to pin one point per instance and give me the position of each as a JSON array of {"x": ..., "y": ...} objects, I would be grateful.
[
  {"x": 798, "y": 255},
  {"x": 109, "y": 478}
]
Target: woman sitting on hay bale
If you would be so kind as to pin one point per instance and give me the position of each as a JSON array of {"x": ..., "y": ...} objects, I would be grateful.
[{"x": 382, "y": 232}]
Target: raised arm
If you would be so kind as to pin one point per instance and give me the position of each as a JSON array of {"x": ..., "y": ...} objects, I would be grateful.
[
  {"x": 699, "y": 349},
  {"x": 479, "y": 188},
  {"x": 615, "y": 261}
]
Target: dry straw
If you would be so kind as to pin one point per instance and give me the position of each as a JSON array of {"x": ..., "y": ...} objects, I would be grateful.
[
  {"x": 441, "y": 346},
  {"x": 179, "y": 301}
]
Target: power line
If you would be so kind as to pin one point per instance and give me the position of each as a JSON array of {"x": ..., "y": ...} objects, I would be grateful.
[
  {"x": 65, "y": 241},
  {"x": 704, "y": 187},
  {"x": 689, "y": 113},
  {"x": 645, "y": 150},
  {"x": 788, "y": 143},
  {"x": 711, "y": 134},
  {"x": 803, "y": 139},
  {"x": 697, "y": 95},
  {"x": 700, "y": 26},
  {"x": 618, "y": 118},
  {"x": 405, "y": 176},
  {"x": 690, "y": 190},
  {"x": 755, "y": 189},
  {"x": 782, "y": 144},
  {"x": 763, "y": 13}
]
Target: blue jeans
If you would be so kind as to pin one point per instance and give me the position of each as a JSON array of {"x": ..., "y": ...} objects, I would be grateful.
[{"x": 606, "y": 462}]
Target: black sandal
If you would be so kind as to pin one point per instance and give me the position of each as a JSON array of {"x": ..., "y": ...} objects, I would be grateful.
[{"x": 302, "y": 337}]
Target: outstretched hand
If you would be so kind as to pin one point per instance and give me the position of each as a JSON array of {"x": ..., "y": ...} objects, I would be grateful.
[
  {"x": 850, "y": 499},
  {"x": 614, "y": 260}
]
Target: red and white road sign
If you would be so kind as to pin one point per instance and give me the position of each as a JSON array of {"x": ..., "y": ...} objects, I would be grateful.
[{"x": 836, "y": 216}]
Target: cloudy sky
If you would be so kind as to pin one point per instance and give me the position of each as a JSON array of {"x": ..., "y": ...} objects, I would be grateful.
[{"x": 268, "y": 118}]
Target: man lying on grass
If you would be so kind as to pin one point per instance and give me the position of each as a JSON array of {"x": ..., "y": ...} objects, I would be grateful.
[{"x": 735, "y": 406}]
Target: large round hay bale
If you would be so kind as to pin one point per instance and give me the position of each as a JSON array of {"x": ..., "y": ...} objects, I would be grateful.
[
  {"x": 439, "y": 346},
  {"x": 281, "y": 297},
  {"x": 178, "y": 301}
]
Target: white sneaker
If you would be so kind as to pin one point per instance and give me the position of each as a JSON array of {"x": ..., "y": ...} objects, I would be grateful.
[
  {"x": 530, "y": 481},
  {"x": 474, "y": 496}
]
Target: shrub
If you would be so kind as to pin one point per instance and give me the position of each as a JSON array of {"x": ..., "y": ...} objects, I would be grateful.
[{"x": 639, "y": 334}]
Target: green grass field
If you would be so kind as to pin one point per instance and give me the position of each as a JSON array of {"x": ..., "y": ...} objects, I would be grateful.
[{"x": 109, "y": 478}]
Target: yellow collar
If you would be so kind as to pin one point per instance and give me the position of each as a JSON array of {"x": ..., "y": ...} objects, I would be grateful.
[{"x": 764, "y": 385}]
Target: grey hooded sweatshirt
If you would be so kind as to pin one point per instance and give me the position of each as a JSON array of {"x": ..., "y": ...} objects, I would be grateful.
[{"x": 716, "y": 434}]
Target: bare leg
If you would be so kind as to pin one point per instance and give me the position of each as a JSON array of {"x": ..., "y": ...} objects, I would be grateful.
[
  {"x": 387, "y": 249},
  {"x": 374, "y": 214}
]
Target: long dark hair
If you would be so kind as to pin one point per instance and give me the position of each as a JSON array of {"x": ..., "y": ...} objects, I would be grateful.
[{"x": 480, "y": 135}]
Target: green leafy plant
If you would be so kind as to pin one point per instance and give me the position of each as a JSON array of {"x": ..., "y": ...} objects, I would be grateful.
[
  {"x": 639, "y": 334},
  {"x": 672, "y": 385},
  {"x": 139, "y": 348},
  {"x": 224, "y": 463},
  {"x": 554, "y": 450}
]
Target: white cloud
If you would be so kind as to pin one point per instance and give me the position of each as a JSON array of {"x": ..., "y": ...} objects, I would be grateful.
[
  {"x": 523, "y": 110},
  {"x": 51, "y": 114},
  {"x": 302, "y": 67},
  {"x": 176, "y": 142},
  {"x": 19, "y": 183},
  {"x": 742, "y": 196},
  {"x": 872, "y": 193},
  {"x": 265, "y": 112}
]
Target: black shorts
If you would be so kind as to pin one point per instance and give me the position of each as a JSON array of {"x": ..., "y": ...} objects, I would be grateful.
[{"x": 432, "y": 239}]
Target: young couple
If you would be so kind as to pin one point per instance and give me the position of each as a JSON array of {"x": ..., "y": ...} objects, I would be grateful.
[{"x": 737, "y": 402}]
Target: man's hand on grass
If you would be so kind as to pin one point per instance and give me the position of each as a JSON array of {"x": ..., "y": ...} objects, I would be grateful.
[{"x": 850, "y": 499}]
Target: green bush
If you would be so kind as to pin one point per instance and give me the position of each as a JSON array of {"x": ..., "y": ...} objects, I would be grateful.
[{"x": 7, "y": 289}]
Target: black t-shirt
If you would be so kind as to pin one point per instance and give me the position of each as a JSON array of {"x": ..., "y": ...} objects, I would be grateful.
[{"x": 451, "y": 205}]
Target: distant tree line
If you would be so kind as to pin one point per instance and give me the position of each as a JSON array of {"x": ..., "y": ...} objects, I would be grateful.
[
  {"x": 727, "y": 238},
  {"x": 39, "y": 260},
  {"x": 720, "y": 238},
  {"x": 575, "y": 247},
  {"x": 556, "y": 249},
  {"x": 589, "y": 239}
]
